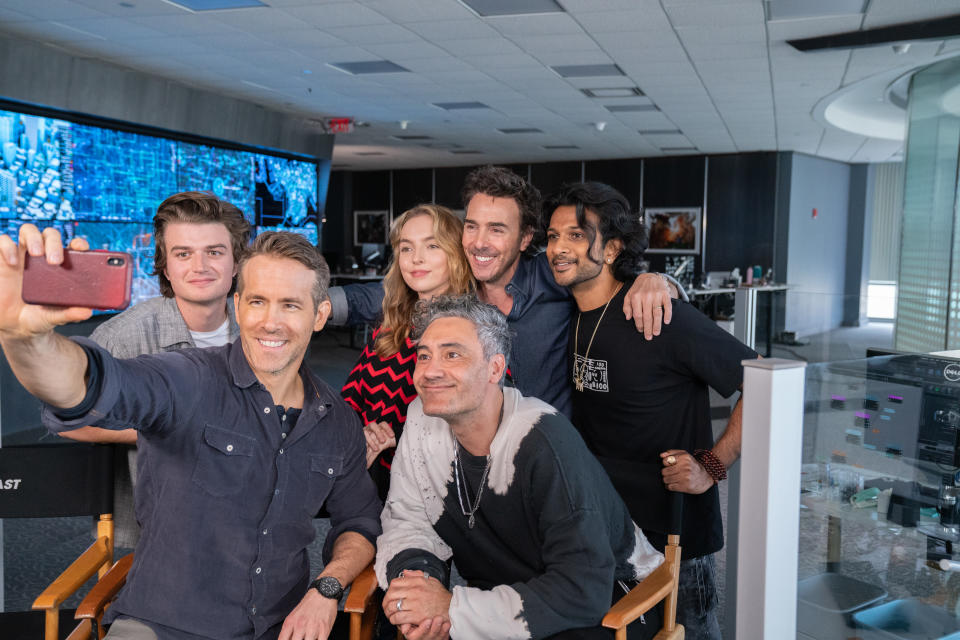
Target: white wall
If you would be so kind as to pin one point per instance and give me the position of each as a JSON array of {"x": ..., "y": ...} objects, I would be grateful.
[{"x": 817, "y": 247}]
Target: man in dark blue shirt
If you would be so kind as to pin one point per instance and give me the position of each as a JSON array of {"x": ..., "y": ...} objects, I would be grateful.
[
  {"x": 502, "y": 216},
  {"x": 245, "y": 445}
]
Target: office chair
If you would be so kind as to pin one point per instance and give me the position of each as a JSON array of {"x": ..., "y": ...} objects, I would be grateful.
[
  {"x": 660, "y": 585},
  {"x": 61, "y": 480}
]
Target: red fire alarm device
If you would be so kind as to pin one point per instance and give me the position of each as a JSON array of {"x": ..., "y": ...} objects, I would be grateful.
[
  {"x": 814, "y": 213},
  {"x": 339, "y": 125}
]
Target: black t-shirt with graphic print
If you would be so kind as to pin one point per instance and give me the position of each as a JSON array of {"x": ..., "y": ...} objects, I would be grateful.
[{"x": 642, "y": 397}]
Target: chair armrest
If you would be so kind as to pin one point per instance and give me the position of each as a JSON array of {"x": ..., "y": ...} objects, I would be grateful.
[
  {"x": 79, "y": 571},
  {"x": 105, "y": 590},
  {"x": 641, "y": 598},
  {"x": 361, "y": 590}
]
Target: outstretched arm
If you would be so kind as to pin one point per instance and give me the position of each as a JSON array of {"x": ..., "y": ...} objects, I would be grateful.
[{"x": 49, "y": 366}]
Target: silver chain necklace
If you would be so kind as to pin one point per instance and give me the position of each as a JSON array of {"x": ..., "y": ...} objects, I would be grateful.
[{"x": 469, "y": 510}]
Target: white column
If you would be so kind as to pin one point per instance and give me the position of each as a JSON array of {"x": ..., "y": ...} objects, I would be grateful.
[
  {"x": 745, "y": 316},
  {"x": 769, "y": 521}
]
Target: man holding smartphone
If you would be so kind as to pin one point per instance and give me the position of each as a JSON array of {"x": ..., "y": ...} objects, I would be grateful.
[
  {"x": 198, "y": 240},
  {"x": 244, "y": 446}
]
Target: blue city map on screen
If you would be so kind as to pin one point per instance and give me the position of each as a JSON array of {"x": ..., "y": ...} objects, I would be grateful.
[{"x": 105, "y": 185}]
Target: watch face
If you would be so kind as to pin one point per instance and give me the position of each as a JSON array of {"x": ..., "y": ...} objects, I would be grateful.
[{"x": 329, "y": 587}]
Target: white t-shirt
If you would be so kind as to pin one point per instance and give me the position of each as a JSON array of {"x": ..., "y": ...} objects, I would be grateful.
[{"x": 215, "y": 338}]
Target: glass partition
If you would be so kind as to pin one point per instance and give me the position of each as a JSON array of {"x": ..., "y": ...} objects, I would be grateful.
[{"x": 880, "y": 501}]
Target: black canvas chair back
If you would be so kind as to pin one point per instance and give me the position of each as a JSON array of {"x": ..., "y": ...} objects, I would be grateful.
[
  {"x": 43, "y": 481},
  {"x": 57, "y": 481}
]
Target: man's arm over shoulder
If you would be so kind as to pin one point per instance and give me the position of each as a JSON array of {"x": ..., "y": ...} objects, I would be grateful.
[{"x": 356, "y": 304}]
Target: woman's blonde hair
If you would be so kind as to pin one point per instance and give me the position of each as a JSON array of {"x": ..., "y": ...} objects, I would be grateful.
[{"x": 399, "y": 299}]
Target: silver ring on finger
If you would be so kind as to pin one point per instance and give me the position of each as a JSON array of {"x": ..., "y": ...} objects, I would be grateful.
[{"x": 400, "y": 604}]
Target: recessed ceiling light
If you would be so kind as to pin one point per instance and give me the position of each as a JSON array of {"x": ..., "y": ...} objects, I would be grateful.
[
  {"x": 520, "y": 130},
  {"x": 620, "y": 108},
  {"x": 659, "y": 132},
  {"x": 587, "y": 70},
  {"x": 368, "y": 66},
  {"x": 411, "y": 137},
  {"x": 454, "y": 106},
  {"x": 613, "y": 92},
  {"x": 307, "y": 72},
  {"x": 126, "y": 5},
  {"x": 488, "y": 8},
  {"x": 465, "y": 151},
  {"x": 214, "y": 5},
  {"x": 560, "y": 146}
]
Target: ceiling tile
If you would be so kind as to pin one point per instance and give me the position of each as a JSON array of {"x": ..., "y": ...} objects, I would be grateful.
[
  {"x": 453, "y": 29},
  {"x": 341, "y": 14},
  {"x": 538, "y": 25},
  {"x": 420, "y": 11}
]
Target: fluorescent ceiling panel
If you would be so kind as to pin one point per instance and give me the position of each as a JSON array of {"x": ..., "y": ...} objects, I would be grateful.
[
  {"x": 587, "y": 70},
  {"x": 215, "y": 5},
  {"x": 560, "y": 146},
  {"x": 454, "y": 106},
  {"x": 488, "y": 8},
  {"x": 520, "y": 130},
  {"x": 367, "y": 67},
  {"x": 621, "y": 108},
  {"x": 796, "y": 9},
  {"x": 660, "y": 132},
  {"x": 614, "y": 92},
  {"x": 411, "y": 137},
  {"x": 673, "y": 149}
]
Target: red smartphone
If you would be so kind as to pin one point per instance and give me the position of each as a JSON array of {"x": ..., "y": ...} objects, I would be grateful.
[{"x": 93, "y": 279}]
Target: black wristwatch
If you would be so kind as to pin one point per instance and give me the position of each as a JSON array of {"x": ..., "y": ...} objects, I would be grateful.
[{"x": 328, "y": 586}]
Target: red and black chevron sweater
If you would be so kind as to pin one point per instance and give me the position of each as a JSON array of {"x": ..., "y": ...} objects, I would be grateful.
[{"x": 380, "y": 389}]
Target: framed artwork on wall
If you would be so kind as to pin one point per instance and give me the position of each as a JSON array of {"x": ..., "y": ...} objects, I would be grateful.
[
  {"x": 675, "y": 230},
  {"x": 371, "y": 227}
]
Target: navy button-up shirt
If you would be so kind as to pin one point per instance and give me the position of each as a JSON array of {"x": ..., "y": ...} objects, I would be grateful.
[
  {"x": 539, "y": 319},
  {"x": 229, "y": 501}
]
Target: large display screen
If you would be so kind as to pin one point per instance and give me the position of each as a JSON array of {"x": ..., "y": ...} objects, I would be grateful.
[{"x": 105, "y": 184}]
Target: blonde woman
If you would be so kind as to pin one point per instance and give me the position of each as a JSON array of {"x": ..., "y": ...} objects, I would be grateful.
[{"x": 428, "y": 260}]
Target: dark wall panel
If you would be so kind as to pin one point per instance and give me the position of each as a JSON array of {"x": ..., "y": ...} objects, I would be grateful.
[
  {"x": 371, "y": 191},
  {"x": 673, "y": 182},
  {"x": 623, "y": 175},
  {"x": 337, "y": 230},
  {"x": 449, "y": 182},
  {"x": 741, "y": 205},
  {"x": 549, "y": 176},
  {"x": 410, "y": 188}
]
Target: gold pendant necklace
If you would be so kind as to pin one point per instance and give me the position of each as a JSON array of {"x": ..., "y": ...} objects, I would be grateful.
[{"x": 578, "y": 373}]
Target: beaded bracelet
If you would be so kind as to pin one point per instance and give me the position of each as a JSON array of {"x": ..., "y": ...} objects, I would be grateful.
[{"x": 711, "y": 463}]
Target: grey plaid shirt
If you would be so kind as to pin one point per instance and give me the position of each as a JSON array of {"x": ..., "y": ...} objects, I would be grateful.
[{"x": 152, "y": 326}]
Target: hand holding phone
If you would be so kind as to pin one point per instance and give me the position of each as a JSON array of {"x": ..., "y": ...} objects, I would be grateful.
[{"x": 91, "y": 279}]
